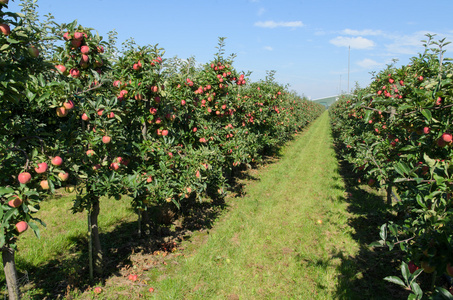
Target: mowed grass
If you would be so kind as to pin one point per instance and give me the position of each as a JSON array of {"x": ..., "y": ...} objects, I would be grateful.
[
  {"x": 60, "y": 256},
  {"x": 284, "y": 240}
]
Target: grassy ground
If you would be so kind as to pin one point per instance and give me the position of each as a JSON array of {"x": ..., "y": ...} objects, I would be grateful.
[{"x": 298, "y": 230}]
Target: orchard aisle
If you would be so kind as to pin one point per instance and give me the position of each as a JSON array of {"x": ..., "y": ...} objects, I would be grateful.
[{"x": 284, "y": 239}]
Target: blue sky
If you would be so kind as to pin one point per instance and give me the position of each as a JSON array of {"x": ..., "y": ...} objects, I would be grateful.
[{"x": 305, "y": 42}]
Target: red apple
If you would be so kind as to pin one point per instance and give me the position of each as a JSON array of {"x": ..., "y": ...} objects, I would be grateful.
[
  {"x": 447, "y": 137},
  {"x": 16, "y": 202},
  {"x": 90, "y": 152},
  {"x": 24, "y": 177},
  {"x": 106, "y": 139},
  {"x": 114, "y": 166},
  {"x": 61, "y": 111},
  {"x": 133, "y": 277},
  {"x": 4, "y": 28},
  {"x": 85, "y": 117},
  {"x": 63, "y": 176},
  {"x": 426, "y": 130},
  {"x": 100, "y": 111},
  {"x": 151, "y": 290},
  {"x": 21, "y": 226},
  {"x": 85, "y": 49},
  {"x": 78, "y": 35},
  {"x": 75, "y": 73},
  {"x": 61, "y": 68},
  {"x": 42, "y": 167},
  {"x": 34, "y": 52},
  {"x": 97, "y": 290},
  {"x": 66, "y": 36},
  {"x": 165, "y": 132},
  {"x": 149, "y": 179},
  {"x": 68, "y": 105},
  {"x": 57, "y": 161},
  {"x": 183, "y": 102},
  {"x": 44, "y": 184},
  {"x": 76, "y": 43},
  {"x": 412, "y": 267}
]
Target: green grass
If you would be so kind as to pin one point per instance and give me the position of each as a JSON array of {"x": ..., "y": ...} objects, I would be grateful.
[{"x": 272, "y": 244}]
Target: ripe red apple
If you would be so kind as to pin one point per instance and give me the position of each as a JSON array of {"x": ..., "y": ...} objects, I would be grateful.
[
  {"x": 85, "y": 49},
  {"x": 100, "y": 49},
  {"x": 78, "y": 35},
  {"x": 151, "y": 290},
  {"x": 62, "y": 111},
  {"x": 34, "y": 52},
  {"x": 16, "y": 202},
  {"x": 57, "y": 161},
  {"x": 106, "y": 139},
  {"x": 183, "y": 102},
  {"x": 426, "y": 130},
  {"x": 114, "y": 166},
  {"x": 149, "y": 179},
  {"x": 90, "y": 152},
  {"x": 97, "y": 290},
  {"x": 100, "y": 111},
  {"x": 75, "y": 73},
  {"x": 133, "y": 277},
  {"x": 63, "y": 176},
  {"x": 42, "y": 167},
  {"x": 165, "y": 132},
  {"x": 44, "y": 184},
  {"x": 24, "y": 177},
  {"x": 76, "y": 43},
  {"x": 21, "y": 226},
  {"x": 85, "y": 117},
  {"x": 447, "y": 137},
  {"x": 136, "y": 67},
  {"x": 4, "y": 28},
  {"x": 61, "y": 68},
  {"x": 66, "y": 36},
  {"x": 68, "y": 105}
]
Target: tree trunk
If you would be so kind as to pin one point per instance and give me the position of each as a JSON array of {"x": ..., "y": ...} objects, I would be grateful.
[
  {"x": 96, "y": 242},
  {"x": 9, "y": 266},
  {"x": 389, "y": 194}
]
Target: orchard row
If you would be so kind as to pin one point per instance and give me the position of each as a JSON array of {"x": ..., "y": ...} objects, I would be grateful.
[
  {"x": 397, "y": 132},
  {"x": 78, "y": 113}
]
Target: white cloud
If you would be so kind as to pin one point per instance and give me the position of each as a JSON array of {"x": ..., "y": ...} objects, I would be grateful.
[
  {"x": 273, "y": 24},
  {"x": 353, "y": 42},
  {"x": 268, "y": 48},
  {"x": 362, "y": 32},
  {"x": 368, "y": 63}
]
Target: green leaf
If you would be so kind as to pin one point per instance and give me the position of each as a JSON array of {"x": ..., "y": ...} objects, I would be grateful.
[
  {"x": 427, "y": 114},
  {"x": 444, "y": 293},
  {"x": 6, "y": 190},
  {"x": 416, "y": 290},
  {"x": 395, "y": 280},
  {"x": 35, "y": 228},
  {"x": 383, "y": 232},
  {"x": 405, "y": 271}
]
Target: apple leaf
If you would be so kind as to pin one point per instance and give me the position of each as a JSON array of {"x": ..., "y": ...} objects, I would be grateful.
[
  {"x": 444, "y": 293},
  {"x": 5, "y": 190},
  {"x": 383, "y": 232},
  {"x": 395, "y": 280}
]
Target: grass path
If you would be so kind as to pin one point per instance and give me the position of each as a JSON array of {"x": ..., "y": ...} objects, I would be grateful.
[{"x": 284, "y": 240}]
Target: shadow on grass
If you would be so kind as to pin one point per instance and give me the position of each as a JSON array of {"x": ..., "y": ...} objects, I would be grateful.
[
  {"x": 363, "y": 275},
  {"x": 68, "y": 273}
]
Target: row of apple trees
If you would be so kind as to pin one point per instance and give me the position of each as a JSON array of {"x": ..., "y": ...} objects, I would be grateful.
[
  {"x": 397, "y": 132},
  {"x": 78, "y": 113}
]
